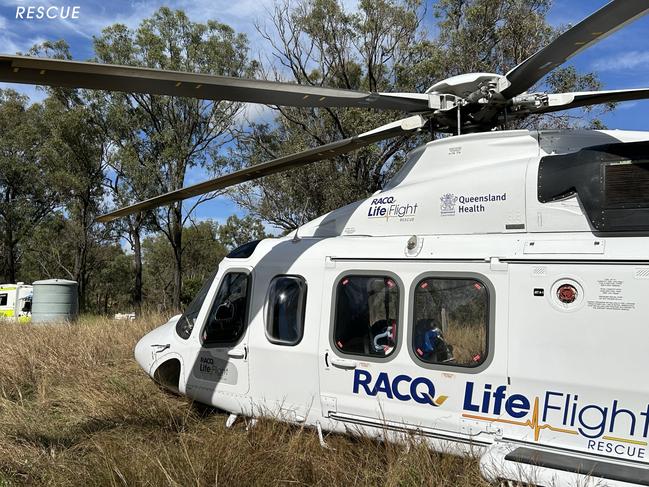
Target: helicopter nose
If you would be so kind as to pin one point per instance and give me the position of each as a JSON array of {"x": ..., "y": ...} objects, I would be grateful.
[
  {"x": 143, "y": 353},
  {"x": 151, "y": 345}
]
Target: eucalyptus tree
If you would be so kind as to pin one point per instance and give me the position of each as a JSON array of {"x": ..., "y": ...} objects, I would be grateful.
[
  {"x": 130, "y": 180},
  {"x": 26, "y": 193},
  {"x": 160, "y": 138},
  {"x": 202, "y": 251},
  {"x": 76, "y": 149}
]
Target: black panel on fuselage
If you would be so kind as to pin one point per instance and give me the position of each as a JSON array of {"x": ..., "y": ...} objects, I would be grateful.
[{"x": 611, "y": 182}]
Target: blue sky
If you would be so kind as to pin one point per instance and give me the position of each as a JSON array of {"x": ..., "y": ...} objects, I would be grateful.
[{"x": 622, "y": 60}]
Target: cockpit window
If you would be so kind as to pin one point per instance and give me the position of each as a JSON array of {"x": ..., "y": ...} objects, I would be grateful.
[
  {"x": 186, "y": 323},
  {"x": 451, "y": 322},
  {"x": 367, "y": 315},
  {"x": 227, "y": 319}
]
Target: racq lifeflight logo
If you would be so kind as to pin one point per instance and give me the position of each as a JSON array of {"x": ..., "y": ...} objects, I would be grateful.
[
  {"x": 607, "y": 428},
  {"x": 611, "y": 428},
  {"x": 48, "y": 12},
  {"x": 388, "y": 207}
]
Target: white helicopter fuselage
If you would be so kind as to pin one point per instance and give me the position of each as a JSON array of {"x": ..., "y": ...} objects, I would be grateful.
[{"x": 546, "y": 318}]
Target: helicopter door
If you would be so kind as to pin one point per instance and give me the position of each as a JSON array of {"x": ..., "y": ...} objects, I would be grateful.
[
  {"x": 220, "y": 370},
  {"x": 400, "y": 352}
]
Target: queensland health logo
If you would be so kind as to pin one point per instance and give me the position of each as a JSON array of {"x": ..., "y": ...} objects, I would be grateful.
[
  {"x": 388, "y": 207},
  {"x": 447, "y": 204},
  {"x": 451, "y": 204}
]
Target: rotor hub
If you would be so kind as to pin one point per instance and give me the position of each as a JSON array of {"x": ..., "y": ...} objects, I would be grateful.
[{"x": 464, "y": 85}]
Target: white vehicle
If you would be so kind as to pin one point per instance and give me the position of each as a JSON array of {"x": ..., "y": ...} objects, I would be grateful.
[
  {"x": 16, "y": 301},
  {"x": 491, "y": 299}
]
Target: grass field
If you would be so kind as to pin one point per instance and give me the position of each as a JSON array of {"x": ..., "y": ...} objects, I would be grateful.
[{"x": 75, "y": 409}]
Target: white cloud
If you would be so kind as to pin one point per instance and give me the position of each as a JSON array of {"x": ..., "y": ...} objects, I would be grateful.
[
  {"x": 255, "y": 113},
  {"x": 35, "y": 94},
  {"x": 13, "y": 41},
  {"x": 623, "y": 61},
  {"x": 625, "y": 105}
]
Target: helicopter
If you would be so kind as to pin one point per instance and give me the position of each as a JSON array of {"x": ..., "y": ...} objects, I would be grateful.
[{"x": 503, "y": 315}]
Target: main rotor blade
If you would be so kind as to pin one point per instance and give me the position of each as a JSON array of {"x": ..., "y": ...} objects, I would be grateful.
[
  {"x": 566, "y": 101},
  {"x": 592, "y": 29},
  {"x": 407, "y": 125},
  {"x": 74, "y": 74}
]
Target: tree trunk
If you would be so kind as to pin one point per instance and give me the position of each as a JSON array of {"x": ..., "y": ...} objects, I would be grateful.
[
  {"x": 137, "y": 264},
  {"x": 10, "y": 257},
  {"x": 176, "y": 244},
  {"x": 80, "y": 275},
  {"x": 81, "y": 263}
]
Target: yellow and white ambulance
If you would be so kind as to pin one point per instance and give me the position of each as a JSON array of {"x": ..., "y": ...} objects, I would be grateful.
[{"x": 16, "y": 301}]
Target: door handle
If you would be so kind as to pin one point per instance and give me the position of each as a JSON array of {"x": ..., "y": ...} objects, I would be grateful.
[
  {"x": 237, "y": 353},
  {"x": 342, "y": 363}
]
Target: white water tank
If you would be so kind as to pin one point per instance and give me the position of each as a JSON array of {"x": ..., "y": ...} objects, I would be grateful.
[{"x": 55, "y": 300}]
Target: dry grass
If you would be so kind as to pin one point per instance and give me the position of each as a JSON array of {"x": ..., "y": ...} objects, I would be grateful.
[
  {"x": 467, "y": 340},
  {"x": 76, "y": 410}
]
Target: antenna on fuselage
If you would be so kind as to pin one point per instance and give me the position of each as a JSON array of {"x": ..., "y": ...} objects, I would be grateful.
[{"x": 296, "y": 237}]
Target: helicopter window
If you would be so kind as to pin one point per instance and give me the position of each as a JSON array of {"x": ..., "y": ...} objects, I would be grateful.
[
  {"x": 227, "y": 319},
  {"x": 244, "y": 251},
  {"x": 367, "y": 315},
  {"x": 286, "y": 304},
  {"x": 3, "y": 299},
  {"x": 186, "y": 323},
  {"x": 450, "y": 321}
]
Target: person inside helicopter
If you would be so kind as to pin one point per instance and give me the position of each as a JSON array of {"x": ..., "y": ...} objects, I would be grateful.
[
  {"x": 430, "y": 343},
  {"x": 366, "y": 315}
]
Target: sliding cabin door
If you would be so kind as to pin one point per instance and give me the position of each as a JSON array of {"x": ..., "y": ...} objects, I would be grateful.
[{"x": 408, "y": 346}]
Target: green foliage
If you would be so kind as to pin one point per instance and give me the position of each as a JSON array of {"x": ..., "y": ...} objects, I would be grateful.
[
  {"x": 202, "y": 251},
  {"x": 238, "y": 231},
  {"x": 76, "y": 149},
  {"x": 204, "y": 245},
  {"x": 51, "y": 252},
  {"x": 110, "y": 289},
  {"x": 490, "y": 36},
  {"x": 26, "y": 193}
]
